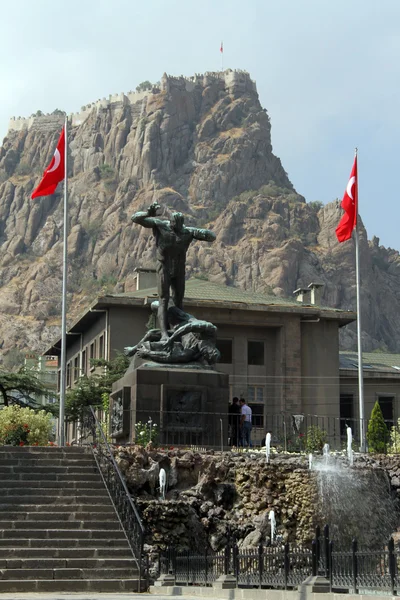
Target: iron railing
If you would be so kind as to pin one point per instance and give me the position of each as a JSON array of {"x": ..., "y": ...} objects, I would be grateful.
[
  {"x": 92, "y": 435},
  {"x": 215, "y": 430},
  {"x": 286, "y": 566}
]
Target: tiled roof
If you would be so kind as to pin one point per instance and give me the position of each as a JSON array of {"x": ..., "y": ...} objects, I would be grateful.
[
  {"x": 198, "y": 289},
  {"x": 372, "y": 361}
]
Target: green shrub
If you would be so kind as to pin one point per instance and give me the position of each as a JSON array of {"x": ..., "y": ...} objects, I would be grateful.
[
  {"x": 377, "y": 433},
  {"x": 106, "y": 171},
  {"x": 315, "y": 439},
  {"x": 394, "y": 444},
  {"x": 23, "y": 168},
  {"x": 24, "y": 426},
  {"x": 146, "y": 433}
]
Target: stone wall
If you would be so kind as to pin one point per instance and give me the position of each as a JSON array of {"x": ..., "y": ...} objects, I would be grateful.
[{"x": 236, "y": 81}]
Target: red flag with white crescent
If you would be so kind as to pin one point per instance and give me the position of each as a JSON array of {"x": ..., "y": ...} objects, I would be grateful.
[
  {"x": 350, "y": 206},
  {"x": 55, "y": 172},
  {"x": 222, "y": 47}
]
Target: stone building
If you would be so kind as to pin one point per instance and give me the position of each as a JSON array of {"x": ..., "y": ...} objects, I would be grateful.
[{"x": 280, "y": 354}]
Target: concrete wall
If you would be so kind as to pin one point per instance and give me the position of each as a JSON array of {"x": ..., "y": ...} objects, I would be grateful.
[
  {"x": 320, "y": 368},
  {"x": 373, "y": 388},
  {"x": 127, "y": 326}
]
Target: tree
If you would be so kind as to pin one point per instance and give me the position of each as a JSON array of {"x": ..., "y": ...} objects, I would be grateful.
[
  {"x": 95, "y": 390},
  {"x": 20, "y": 388},
  {"x": 145, "y": 85},
  {"x": 377, "y": 433}
]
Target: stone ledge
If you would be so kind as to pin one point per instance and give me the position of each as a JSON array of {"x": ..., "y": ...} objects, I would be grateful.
[{"x": 252, "y": 594}]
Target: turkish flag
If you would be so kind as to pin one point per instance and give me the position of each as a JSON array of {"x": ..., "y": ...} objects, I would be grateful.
[
  {"x": 55, "y": 172},
  {"x": 222, "y": 47},
  {"x": 350, "y": 206}
]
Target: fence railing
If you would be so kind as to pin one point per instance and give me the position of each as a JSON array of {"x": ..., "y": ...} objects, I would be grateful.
[
  {"x": 92, "y": 435},
  {"x": 220, "y": 430},
  {"x": 286, "y": 566}
]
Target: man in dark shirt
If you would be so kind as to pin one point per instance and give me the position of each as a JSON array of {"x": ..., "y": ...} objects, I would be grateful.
[{"x": 234, "y": 421}]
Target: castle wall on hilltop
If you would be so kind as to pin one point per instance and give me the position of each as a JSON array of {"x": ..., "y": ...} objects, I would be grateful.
[{"x": 235, "y": 81}]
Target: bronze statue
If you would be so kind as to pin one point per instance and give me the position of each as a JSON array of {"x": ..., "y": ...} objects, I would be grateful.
[
  {"x": 190, "y": 340},
  {"x": 173, "y": 239}
]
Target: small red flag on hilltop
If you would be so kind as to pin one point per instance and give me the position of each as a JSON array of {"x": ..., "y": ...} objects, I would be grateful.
[
  {"x": 222, "y": 47},
  {"x": 350, "y": 206},
  {"x": 55, "y": 172}
]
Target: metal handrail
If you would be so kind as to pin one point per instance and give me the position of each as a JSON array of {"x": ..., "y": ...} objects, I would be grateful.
[{"x": 125, "y": 508}]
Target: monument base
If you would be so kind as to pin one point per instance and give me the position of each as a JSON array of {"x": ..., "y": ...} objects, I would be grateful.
[{"x": 187, "y": 405}]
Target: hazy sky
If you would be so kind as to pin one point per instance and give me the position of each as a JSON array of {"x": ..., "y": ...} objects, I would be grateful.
[{"x": 326, "y": 70}]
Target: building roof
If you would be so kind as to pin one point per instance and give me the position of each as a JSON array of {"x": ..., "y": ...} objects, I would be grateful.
[
  {"x": 380, "y": 362},
  {"x": 201, "y": 293}
]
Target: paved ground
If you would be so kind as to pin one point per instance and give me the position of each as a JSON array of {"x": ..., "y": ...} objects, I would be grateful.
[{"x": 89, "y": 596}]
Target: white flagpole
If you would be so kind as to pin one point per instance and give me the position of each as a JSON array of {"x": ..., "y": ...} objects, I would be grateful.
[
  {"x": 61, "y": 419},
  {"x": 359, "y": 331}
]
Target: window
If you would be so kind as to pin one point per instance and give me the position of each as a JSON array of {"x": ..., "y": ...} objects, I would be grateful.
[
  {"x": 346, "y": 412},
  {"x": 255, "y": 353},
  {"x": 386, "y": 404},
  {"x": 92, "y": 354},
  {"x": 255, "y": 399},
  {"x": 83, "y": 362},
  {"x": 76, "y": 368},
  {"x": 101, "y": 346},
  {"x": 225, "y": 347},
  {"x": 68, "y": 375}
]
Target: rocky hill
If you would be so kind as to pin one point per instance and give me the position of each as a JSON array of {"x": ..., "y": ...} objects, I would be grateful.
[{"x": 202, "y": 146}]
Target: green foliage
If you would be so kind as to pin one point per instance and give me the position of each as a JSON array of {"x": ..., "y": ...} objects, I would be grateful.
[
  {"x": 377, "y": 433},
  {"x": 23, "y": 168},
  {"x": 21, "y": 388},
  {"x": 394, "y": 443},
  {"x": 106, "y": 171},
  {"x": 144, "y": 433},
  {"x": 145, "y": 85},
  {"x": 315, "y": 439},
  {"x": 95, "y": 390},
  {"x": 24, "y": 426},
  {"x": 315, "y": 206},
  {"x": 202, "y": 276}
]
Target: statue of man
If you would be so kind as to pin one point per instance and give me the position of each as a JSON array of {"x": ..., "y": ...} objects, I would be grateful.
[{"x": 172, "y": 241}]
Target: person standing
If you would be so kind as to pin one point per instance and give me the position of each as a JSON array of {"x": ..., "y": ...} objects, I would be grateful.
[
  {"x": 234, "y": 421},
  {"x": 245, "y": 423}
]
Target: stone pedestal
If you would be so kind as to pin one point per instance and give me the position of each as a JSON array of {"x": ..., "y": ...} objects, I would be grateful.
[{"x": 188, "y": 405}]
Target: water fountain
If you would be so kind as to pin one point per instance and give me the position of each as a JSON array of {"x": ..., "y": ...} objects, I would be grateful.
[
  {"x": 310, "y": 461},
  {"x": 325, "y": 453},
  {"x": 271, "y": 517},
  {"x": 349, "y": 446},
  {"x": 267, "y": 446},
  {"x": 162, "y": 477},
  {"x": 356, "y": 502}
]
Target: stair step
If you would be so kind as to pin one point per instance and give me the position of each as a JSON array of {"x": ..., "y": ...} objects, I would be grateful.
[
  {"x": 55, "y": 517},
  {"x": 21, "y": 544},
  {"x": 66, "y": 573},
  {"x": 12, "y": 484},
  {"x": 22, "y": 525},
  {"x": 46, "y": 462},
  {"x": 55, "y": 499},
  {"x": 22, "y": 468},
  {"x": 83, "y": 490},
  {"x": 56, "y": 508},
  {"x": 43, "y": 449},
  {"x": 61, "y": 533},
  {"x": 68, "y": 563},
  {"x": 71, "y": 585},
  {"x": 99, "y": 551},
  {"x": 64, "y": 478}
]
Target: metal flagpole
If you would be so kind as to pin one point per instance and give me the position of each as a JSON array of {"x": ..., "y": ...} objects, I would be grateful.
[
  {"x": 61, "y": 419},
  {"x": 359, "y": 331}
]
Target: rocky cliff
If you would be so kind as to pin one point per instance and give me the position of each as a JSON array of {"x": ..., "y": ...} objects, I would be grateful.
[{"x": 202, "y": 146}]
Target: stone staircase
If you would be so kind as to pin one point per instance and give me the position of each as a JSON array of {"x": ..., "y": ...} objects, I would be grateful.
[{"x": 59, "y": 531}]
